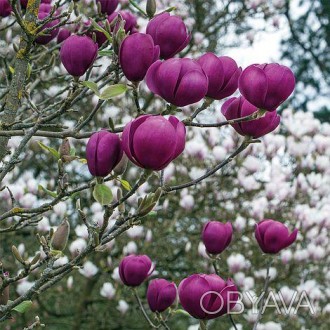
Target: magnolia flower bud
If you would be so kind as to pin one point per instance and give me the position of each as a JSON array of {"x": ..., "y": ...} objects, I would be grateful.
[
  {"x": 161, "y": 294},
  {"x": 61, "y": 235},
  {"x": 65, "y": 148},
  {"x": 4, "y": 296},
  {"x": 152, "y": 142},
  {"x": 133, "y": 270},
  {"x": 266, "y": 86},
  {"x": 170, "y": 33},
  {"x": 217, "y": 236},
  {"x": 121, "y": 166},
  {"x": 77, "y": 54},
  {"x": 180, "y": 81},
  {"x": 108, "y": 6},
  {"x": 151, "y": 8},
  {"x": 5, "y": 8},
  {"x": 193, "y": 289},
  {"x": 137, "y": 53},
  {"x": 273, "y": 236}
]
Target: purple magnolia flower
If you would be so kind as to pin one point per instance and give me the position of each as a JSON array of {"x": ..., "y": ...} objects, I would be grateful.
[
  {"x": 180, "y": 81},
  {"x": 77, "y": 54},
  {"x": 63, "y": 35},
  {"x": 273, "y": 236},
  {"x": 101, "y": 38},
  {"x": 128, "y": 17},
  {"x": 237, "y": 107},
  {"x": 223, "y": 74},
  {"x": 152, "y": 142},
  {"x": 108, "y": 6},
  {"x": 47, "y": 8},
  {"x": 217, "y": 236},
  {"x": 133, "y": 270},
  {"x": 24, "y": 3},
  {"x": 5, "y": 8},
  {"x": 161, "y": 294},
  {"x": 266, "y": 85},
  {"x": 207, "y": 296},
  {"x": 45, "y": 39},
  {"x": 170, "y": 33},
  {"x": 137, "y": 53},
  {"x": 103, "y": 152}
]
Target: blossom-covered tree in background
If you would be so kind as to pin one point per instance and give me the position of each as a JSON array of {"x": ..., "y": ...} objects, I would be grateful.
[{"x": 126, "y": 146}]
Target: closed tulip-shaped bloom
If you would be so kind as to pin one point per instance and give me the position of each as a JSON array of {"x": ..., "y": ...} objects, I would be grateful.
[
  {"x": 273, "y": 236},
  {"x": 170, "y": 33},
  {"x": 217, "y": 236},
  {"x": 78, "y": 53},
  {"x": 152, "y": 142},
  {"x": 237, "y": 107},
  {"x": 101, "y": 38},
  {"x": 133, "y": 270},
  {"x": 108, "y": 6},
  {"x": 266, "y": 85},
  {"x": 103, "y": 152},
  {"x": 137, "y": 53},
  {"x": 49, "y": 36},
  {"x": 223, "y": 74},
  {"x": 180, "y": 81},
  {"x": 207, "y": 296},
  {"x": 63, "y": 35},
  {"x": 161, "y": 294},
  {"x": 5, "y": 8},
  {"x": 24, "y": 3},
  {"x": 129, "y": 18}
]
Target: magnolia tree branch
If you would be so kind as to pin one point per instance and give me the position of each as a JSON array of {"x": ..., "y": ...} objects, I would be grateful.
[
  {"x": 83, "y": 135},
  {"x": 14, "y": 96},
  {"x": 243, "y": 146}
]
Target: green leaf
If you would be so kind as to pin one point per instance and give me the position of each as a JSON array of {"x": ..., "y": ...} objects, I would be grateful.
[
  {"x": 82, "y": 160},
  {"x": 92, "y": 86},
  {"x": 125, "y": 184},
  {"x": 48, "y": 192},
  {"x": 11, "y": 69},
  {"x": 111, "y": 124},
  {"x": 100, "y": 29},
  {"x": 54, "y": 152},
  {"x": 112, "y": 91},
  {"x": 181, "y": 311},
  {"x": 102, "y": 194},
  {"x": 23, "y": 306},
  {"x": 72, "y": 152},
  {"x": 105, "y": 53}
]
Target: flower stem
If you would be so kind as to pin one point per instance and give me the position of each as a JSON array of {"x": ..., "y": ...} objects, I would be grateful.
[
  {"x": 143, "y": 310},
  {"x": 267, "y": 280},
  {"x": 203, "y": 325},
  {"x": 232, "y": 321},
  {"x": 214, "y": 262}
]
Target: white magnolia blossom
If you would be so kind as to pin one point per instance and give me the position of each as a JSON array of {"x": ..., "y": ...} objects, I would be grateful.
[
  {"x": 23, "y": 287},
  {"x": 122, "y": 306},
  {"x": 130, "y": 248},
  {"x": 77, "y": 246},
  {"x": 108, "y": 291},
  {"x": 88, "y": 270}
]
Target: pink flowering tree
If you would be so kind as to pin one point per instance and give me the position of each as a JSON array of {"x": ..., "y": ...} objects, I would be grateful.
[{"x": 144, "y": 175}]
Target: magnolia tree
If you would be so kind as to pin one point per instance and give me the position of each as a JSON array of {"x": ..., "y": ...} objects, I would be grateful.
[{"x": 146, "y": 183}]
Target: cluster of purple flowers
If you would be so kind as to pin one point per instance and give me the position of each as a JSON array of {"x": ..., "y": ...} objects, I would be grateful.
[{"x": 203, "y": 296}]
